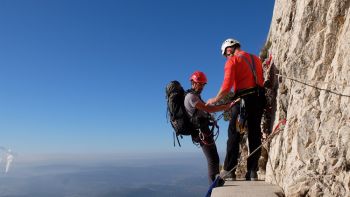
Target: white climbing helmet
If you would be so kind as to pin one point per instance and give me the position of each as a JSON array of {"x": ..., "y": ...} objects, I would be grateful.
[{"x": 228, "y": 43}]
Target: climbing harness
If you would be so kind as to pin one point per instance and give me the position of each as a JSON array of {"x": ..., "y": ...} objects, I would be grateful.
[
  {"x": 214, "y": 124},
  {"x": 203, "y": 136}
]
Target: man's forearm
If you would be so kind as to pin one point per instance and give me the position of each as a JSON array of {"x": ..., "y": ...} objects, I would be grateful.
[
  {"x": 221, "y": 94},
  {"x": 215, "y": 108}
]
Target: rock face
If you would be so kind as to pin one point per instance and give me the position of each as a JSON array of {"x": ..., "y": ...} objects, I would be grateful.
[{"x": 309, "y": 41}]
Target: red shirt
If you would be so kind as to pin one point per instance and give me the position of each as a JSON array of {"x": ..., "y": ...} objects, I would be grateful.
[{"x": 238, "y": 74}]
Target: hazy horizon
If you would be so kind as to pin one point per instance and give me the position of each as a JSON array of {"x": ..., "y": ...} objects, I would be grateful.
[{"x": 158, "y": 175}]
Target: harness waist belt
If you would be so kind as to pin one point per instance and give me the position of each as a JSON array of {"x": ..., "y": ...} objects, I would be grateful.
[{"x": 249, "y": 91}]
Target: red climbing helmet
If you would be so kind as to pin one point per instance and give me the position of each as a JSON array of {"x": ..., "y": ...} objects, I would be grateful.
[{"x": 198, "y": 77}]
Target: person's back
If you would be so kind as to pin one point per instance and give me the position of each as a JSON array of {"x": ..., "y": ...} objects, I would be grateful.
[{"x": 239, "y": 74}]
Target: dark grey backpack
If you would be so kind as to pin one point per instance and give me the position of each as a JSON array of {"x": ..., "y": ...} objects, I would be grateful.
[{"x": 176, "y": 111}]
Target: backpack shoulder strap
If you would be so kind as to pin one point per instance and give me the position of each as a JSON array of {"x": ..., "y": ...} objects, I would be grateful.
[
  {"x": 253, "y": 68},
  {"x": 251, "y": 65},
  {"x": 194, "y": 92},
  {"x": 191, "y": 91}
]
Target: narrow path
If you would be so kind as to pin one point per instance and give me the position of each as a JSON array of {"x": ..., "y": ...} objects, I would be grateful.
[{"x": 243, "y": 188}]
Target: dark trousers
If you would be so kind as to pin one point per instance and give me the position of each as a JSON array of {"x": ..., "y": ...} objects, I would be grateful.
[
  {"x": 209, "y": 150},
  {"x": 211, "y": 154},
  {"x": 254, "y": 108}
]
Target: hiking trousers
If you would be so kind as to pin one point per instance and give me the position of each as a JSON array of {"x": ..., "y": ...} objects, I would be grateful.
[
  {"x": 254, "y": 105},
  {"x": 212, "y": 156},
  {"x": 209, "y": 149}
]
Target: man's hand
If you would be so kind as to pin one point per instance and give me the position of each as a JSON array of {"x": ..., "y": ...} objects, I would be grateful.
[
  {"x": 235, "y": 101},
  {"x": 211, "y": 101},
  {"x": 229, "y": 105}
]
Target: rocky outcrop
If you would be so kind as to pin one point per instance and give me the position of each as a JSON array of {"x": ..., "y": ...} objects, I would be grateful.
[{"x": 310, "y": 44}]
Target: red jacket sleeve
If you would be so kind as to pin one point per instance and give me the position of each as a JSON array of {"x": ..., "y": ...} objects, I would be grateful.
[{"x": 228, "y": 76}]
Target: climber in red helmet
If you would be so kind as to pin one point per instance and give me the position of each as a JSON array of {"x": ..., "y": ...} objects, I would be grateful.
[
  {"x": 244, "y": 74},
  {"x": 198, "y": 112}
]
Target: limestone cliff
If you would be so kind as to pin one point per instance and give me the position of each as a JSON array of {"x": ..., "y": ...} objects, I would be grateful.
[{"x": 310, "y": 42}]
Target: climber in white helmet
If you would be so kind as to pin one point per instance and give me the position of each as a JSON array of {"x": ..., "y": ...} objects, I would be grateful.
[{"x": 243, "y": 74}]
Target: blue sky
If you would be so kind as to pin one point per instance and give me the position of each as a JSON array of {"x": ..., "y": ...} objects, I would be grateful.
[{"x": 88, "y": 76}]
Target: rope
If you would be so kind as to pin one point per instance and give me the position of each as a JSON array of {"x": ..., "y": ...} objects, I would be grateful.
[
  {"x": 313, "y": 86},
  {"x": 274, "y": 173}
]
